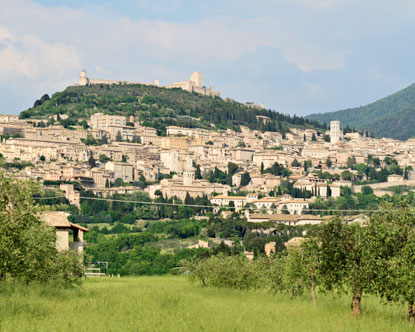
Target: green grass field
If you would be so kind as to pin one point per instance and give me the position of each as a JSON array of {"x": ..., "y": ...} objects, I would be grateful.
[{"x": 174, "y": 304}]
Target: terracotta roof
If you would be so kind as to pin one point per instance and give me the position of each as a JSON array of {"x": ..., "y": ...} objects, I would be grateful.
[
  {"x": 229, "y": 197},
  {"x": 79, "y": 227},
  {"x": 56, "y": 218},
  {"x": 310, "y": 217},
  {"x": 275, "y": 217},
  {"x": 59, "y": 219}
]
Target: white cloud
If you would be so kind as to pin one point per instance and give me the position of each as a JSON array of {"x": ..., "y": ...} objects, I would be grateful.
[
  {"x": 102, "y": 37},
  {"x": 30, "y": 57}
]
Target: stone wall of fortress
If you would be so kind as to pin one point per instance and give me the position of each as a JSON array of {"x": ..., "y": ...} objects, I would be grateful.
[{"x": 193, "y": 85}]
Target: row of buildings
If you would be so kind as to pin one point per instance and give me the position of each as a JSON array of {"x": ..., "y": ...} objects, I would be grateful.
[{"x": 132, "y": 153}]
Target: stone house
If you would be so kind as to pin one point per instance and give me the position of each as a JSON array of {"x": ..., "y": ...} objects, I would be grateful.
[{"x": 69, "y": 236}]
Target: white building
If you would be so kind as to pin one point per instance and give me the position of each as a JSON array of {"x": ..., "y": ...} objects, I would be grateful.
[
  {"x": 335, "y": 133},
  {"x": 85, "y": 81},
  {"x": 103, "y": 121},
  {"x": 195, "y": 84}
]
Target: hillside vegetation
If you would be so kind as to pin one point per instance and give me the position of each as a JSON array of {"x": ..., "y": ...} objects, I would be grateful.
[
  {"x": 158, "y": 107},
  {"x": 173, "y": 304},
  {"x": 393, "y": 116}
]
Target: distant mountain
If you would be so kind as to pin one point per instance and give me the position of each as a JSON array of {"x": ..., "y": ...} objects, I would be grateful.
[
  {"x": 159, "y": 107},
  {"x": 393, "y": 116}
]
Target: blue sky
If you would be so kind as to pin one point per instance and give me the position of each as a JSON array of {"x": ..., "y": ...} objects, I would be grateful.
[{"x": 297, "y": 56}]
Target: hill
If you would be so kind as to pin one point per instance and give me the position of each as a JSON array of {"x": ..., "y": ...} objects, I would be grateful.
[
  {"x": 393, "y": 116},
  {"x": 158, "y": 107}
]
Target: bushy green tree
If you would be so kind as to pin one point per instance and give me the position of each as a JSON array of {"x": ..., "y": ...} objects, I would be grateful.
[{"x": 27, "y": 244}]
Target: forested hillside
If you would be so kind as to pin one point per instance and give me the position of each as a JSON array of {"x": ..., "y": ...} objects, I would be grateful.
[
  {"x": 158, "y": 107},
  {"x": 393, "y": 116}
]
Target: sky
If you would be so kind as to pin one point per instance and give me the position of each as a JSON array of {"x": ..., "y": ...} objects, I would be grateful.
[{"x": 297, "y": 56}]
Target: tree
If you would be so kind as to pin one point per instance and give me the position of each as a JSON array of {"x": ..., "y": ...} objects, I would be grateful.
[
  {"x": 401, "y": 287},
  {"x": 391, "y": 236},
  {"x": 313, "y": 137},
  {"x": 198, "y": 173},
  {"x": 91, "y": 162},
  {"x": 103, "y": 140},
  {"x": 27, "y": 244},
  {"x": 42, "y": 158},
  {"x": 103, "y": 158},
  {"x": 347, "y": 175},
  {"x": 307, "y": 164},
  {"x": 118, "y": 182},
  {"x": 84, "y": 124},
  {"x": 329, "y": 163},
  {"x": 366, "y": 190},
  {"x": 90, "y": 140},
  {"x": 405, "y": 174},
  {"x": 346, "y": 260},
  {"x": 118, "y": 137},
  {"x": 245, "y": 179},
  {"x": 295, "y": 163},
  {"x": 351, "y": 162},
  {"x": 284, "y": 210},
  {"x": 136, "y": 139},
  {"x": 311, "y": 260}
]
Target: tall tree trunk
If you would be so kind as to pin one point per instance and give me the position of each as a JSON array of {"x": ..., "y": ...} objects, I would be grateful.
[
  {"x": 356, "y": 302},
  {"x": 313, "y": 289},
  {"x": 411, "y": 313}
]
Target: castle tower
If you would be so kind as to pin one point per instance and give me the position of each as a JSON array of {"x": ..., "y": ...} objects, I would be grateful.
[
  {"x": 196, "y": 79},
  {"x": 83, "y": 79},
  {"x": 188, "y": 177},
  {"x": 334, "y": 132}
]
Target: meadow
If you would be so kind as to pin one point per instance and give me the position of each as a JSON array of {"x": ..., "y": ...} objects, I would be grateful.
[{"x": 172, "y": 303}]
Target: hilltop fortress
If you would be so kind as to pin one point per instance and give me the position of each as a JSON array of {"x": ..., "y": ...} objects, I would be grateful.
[{"x": 194, "y": 84}]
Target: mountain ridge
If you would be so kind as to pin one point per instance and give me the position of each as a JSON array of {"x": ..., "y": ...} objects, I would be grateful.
[{"x": 392, "y": 116}]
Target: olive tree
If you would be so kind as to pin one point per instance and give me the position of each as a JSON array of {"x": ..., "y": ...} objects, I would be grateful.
[
  {"x": 345, "y": 260},
  {"x": 27, "y": 244},
  {"x": 392, "y": 236}
]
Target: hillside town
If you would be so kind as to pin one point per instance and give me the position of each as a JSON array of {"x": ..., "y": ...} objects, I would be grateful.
[{"x": 116, "y": 154}]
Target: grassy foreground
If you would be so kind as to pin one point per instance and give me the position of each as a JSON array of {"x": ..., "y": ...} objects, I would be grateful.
[{"x": 174, "y": 304}]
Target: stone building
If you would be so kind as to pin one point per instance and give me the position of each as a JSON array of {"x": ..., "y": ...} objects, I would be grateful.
[{"x": 64, "y": 229}]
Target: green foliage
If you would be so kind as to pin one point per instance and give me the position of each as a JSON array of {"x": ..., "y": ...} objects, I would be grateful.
[
  {"x": 388, "y": 117},
  {"x": 278, "y": 170},
  {"x": 27, "y": 245},
  {"x": 90, "y": 140},
  {"x": 132, "y": 254},
  {"x": 16, "y": 164},
  {"x": 177, "y": 229},
  {"x": 171, "y": 303},
  {"x": 159, "y": 107},
  {"x": 103, "y": 158},
  {"x": 226, "y": 271},
  {"x": 295, "y": 163},
  {"x": 328, "y": 162},
  {"x": 245, "y": 179}
]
